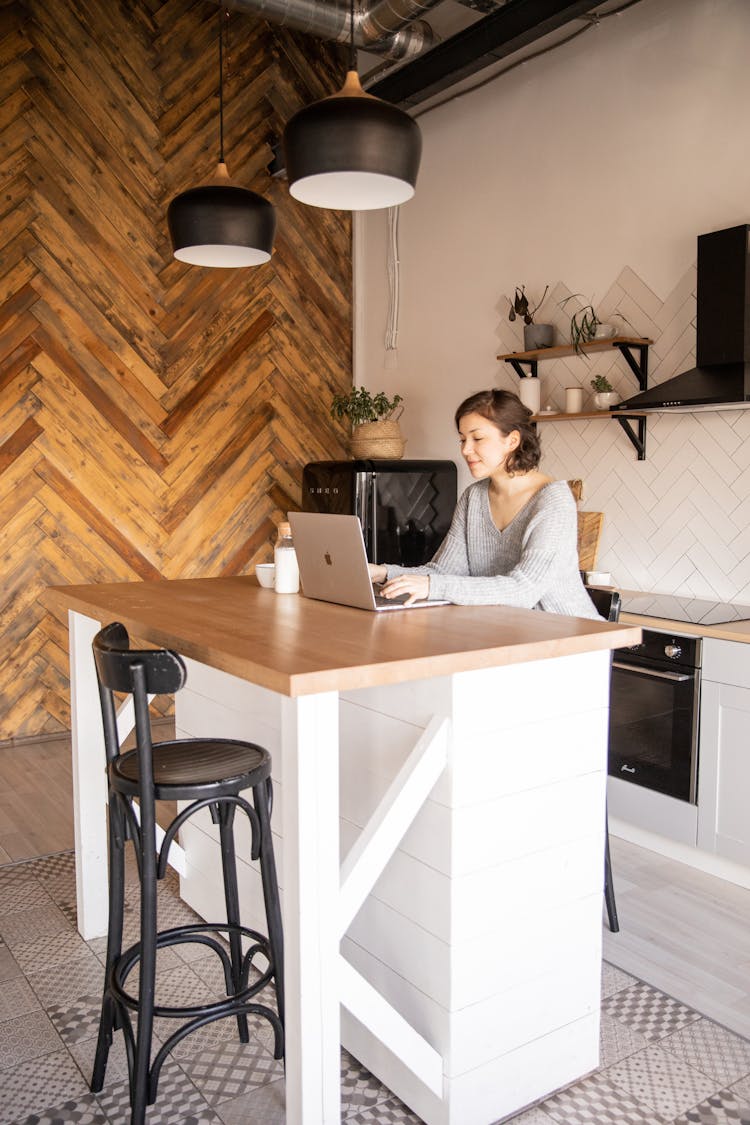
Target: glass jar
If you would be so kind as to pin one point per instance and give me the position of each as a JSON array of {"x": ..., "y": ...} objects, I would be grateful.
[{"x": 286, "y": 573}]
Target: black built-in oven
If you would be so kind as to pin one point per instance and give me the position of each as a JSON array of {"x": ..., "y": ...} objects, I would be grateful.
[{"x": 653, "y": 732}]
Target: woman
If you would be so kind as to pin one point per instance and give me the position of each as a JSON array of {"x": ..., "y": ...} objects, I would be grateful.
[{"x": 513, "y": 538}]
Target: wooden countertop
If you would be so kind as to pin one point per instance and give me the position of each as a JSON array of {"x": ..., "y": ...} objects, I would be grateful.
[
  {"x": 732, "y": 631},
  {"x": 297, "y": 646}
]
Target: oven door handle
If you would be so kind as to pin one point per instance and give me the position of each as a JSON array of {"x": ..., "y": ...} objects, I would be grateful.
[{"x": 674, "y": 677}]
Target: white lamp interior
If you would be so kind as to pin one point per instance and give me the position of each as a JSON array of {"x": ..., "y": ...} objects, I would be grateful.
[
  {"x": 218, "y": 255},
  {"x": 351, "y": 191}
]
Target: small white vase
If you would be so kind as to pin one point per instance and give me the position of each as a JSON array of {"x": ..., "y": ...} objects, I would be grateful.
[
  {"x": 605, "y": 400},
  {"x": 529, "y": 392}
]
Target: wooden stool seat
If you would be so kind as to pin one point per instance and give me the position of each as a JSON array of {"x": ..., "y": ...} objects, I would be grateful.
[{"x": 213, "y": 766}]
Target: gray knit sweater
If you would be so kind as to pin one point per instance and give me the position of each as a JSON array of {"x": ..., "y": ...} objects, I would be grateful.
[{"x": 532, "y": 563}]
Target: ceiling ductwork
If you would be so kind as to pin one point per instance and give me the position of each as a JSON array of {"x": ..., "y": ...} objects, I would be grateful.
[
  {"x": 393, "y": 29},
  {"x": 416, "y": 62}
]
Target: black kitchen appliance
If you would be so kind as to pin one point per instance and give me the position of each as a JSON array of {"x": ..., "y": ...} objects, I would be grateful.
[
  {"x": 405, "y": 507},
  {"x": 653, "y": 718},
  {"x": 721, "y": 375}
]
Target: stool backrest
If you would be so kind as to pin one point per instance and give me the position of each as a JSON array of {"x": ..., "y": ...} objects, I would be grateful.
[
  {"x": 164, "y": 671},
  {"x": 607, "y": 603},
  {"x": 136, "y": 672}
]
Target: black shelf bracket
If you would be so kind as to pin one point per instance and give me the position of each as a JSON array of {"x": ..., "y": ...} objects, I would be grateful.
[
  {"x": 638, "y": 440},
  {"x": 639, "y": 366},
  {"x": 518, "y": 366}
]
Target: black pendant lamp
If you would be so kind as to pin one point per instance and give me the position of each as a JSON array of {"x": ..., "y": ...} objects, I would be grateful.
[
  {"x": 221, "y": 223},
  {"x": 352, "y": 151}
]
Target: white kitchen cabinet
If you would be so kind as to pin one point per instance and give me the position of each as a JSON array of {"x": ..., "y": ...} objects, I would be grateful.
[{"x": 724, "y": 768}]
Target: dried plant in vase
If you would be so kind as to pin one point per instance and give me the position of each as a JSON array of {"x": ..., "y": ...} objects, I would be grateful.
[{"x": 534, "y": 335}]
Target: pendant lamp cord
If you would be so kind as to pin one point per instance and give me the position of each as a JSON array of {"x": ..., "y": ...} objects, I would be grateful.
[
  {"x": 352, "y": 51},
  {"x": 222, "y": 15}
]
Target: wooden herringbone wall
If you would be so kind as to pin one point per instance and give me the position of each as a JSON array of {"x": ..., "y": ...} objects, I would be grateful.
[{"x": 154, "y": 417}]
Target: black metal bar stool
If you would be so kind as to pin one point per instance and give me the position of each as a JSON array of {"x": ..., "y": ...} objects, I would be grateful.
[
  {"x": 212, "y": 774},
  {"x": 608, "y": 604}
]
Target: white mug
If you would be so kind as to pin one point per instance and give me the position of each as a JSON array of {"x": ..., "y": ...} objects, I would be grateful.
[
  {"x": 605, "y": 331},
  {"x": 573, "y": 400}
]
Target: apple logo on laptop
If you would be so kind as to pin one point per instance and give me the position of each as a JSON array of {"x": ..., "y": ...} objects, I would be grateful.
[{"x": 327, "y": 557}]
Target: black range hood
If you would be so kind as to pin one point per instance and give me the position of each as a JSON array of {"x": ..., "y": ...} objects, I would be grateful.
[{"x": 721, "y": 375}]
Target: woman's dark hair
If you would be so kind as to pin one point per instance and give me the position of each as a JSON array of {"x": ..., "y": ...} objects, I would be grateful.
[{"x": 506, "y": 411}]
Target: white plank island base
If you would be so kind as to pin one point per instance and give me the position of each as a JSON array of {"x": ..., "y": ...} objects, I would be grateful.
[{"x": 456, "y": 758}]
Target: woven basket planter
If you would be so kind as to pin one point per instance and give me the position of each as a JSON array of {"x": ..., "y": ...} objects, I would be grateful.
[{"x": 378, "y": 440}]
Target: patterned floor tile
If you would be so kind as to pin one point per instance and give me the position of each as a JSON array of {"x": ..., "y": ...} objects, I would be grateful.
[
  {"x": 98, "y": 947},
  {"x": 534, "y": 1116},
  {"x": 742, "y": 1088},
  {"x": 55, "y": 870},
  {"x": 15, "y": 873},
  {"x": 77, "y": 1019},
  {"x": 9, "y": 967},
  {"x": 45, "y": 922},
  {"x": 83, "y": 1051},
  {"x": 651, "y": 1013},
  {"x": 617, "y": 1041},
  {"x": 231, "y": 1069},
  {"x": 359, "y": 1088},
  {"x": 49, "y": 1080},
  {"x": 613, "y": 979},
  {"x": 712, "y": 1049},
  {"x": 392, "y": 1111},
  {"x": 83, "y": 1111},
  {"x": 206, "y": 1038},
  {"x": 41, "y": 952},
  {"x": 27, "y": 1037},
  {"x": 267, "y": 1104},
  {"x": 177, "y": 1102},
  {"x": 58, "y": 985},
  {"x": 722, "y": 1108},
  {"x": 665, "y": 1083},
  {"x": 17, "y": 897},
  {"x": 17, "y": 998},
  {"x": 597, "y": 1101}
]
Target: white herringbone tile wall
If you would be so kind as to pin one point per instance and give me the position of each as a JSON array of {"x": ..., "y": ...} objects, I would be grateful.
[{"x": 678, "y": 522}]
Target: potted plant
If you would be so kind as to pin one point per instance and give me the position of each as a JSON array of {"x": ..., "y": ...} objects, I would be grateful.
[
  {"x": 605, "y": 396},
  {"x": 374, "y": 419},
  {"x": 585, "y": 325},
  {"x": 534, "y": 335}
]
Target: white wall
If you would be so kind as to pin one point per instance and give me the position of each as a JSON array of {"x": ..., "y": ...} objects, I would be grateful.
[{"x": 592, "y": 169}]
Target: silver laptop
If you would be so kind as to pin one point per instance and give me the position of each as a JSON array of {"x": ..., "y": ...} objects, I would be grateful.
[{"x": 333, "y": 563}]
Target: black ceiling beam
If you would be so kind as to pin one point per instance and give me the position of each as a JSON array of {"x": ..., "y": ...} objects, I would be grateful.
[{"x": 502, "y": 33}]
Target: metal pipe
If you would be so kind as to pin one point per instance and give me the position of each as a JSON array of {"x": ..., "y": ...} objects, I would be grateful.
[{"x": 391, "y": 28}]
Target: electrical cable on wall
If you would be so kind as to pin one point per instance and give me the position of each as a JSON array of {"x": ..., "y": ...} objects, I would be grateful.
[{"x": 392, "y": 268}]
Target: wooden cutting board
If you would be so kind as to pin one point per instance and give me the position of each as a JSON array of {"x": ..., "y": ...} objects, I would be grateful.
[{"x": 589, "y": 533}]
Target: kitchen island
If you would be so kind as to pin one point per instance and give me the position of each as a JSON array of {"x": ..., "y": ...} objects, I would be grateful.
[{"x": 456, "y": 757}]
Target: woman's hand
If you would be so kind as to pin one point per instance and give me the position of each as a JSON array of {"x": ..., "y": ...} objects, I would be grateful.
[
  {"x": 378, "y": 573},
  {"x": 417, "y": 586}
]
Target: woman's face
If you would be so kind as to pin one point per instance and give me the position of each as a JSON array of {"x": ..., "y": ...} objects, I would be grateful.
[{"x": 484, "y": 447}]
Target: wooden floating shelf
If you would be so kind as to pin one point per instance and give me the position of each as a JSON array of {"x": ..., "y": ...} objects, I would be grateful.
[
  {"x": 562, "y": 350},
  {"x": 638, "y": 364},
  {"x": 565, "y": 417}
]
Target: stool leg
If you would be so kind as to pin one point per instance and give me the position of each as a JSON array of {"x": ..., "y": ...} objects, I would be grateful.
[
  {"x": 609, "y": 890},
  {"x": 108, "y": 1020},
  {"x": 231, "y": 898},
  {"x": 262, "y": 801},
  {"x": 141, "y": 1095}
]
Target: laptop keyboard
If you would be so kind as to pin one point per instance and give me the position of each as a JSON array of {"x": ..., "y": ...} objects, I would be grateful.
[{"x": 385, "y": 602}]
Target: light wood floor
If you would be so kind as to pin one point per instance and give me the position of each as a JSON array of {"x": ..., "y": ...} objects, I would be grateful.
[
  {"x": 683, "y": 931},
  {"x": 36, "y": 803}
]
